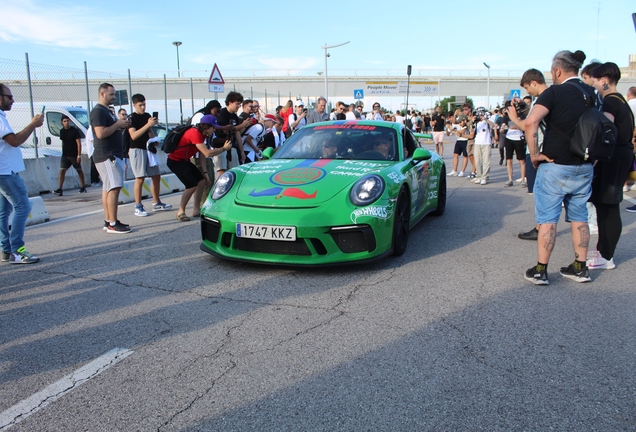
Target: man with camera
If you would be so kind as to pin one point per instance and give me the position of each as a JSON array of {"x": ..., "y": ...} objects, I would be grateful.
[
  {"x": 298, "y": 119},
  {"x": 483, "y": 142},
  {"x": 228, "y": 117},
  {"x": 253, "y": 133}
]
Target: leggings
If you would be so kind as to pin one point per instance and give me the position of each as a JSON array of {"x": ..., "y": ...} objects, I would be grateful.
[{"x": 610, "y": 227}]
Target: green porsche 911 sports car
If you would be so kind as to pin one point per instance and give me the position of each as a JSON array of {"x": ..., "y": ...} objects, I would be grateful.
[{"x": 334, "y": 192}]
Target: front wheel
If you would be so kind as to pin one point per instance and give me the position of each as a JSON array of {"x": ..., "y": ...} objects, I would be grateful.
[{"x": 401, "y": 223}]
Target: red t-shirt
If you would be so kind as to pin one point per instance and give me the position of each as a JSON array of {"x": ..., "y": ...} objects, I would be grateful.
[
  {"x": 187, "y": 146},
  {"x": 285, "y": 113}
]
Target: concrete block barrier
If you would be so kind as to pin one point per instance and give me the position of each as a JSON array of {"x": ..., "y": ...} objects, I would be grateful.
[
  {"x": 169, "y": 184},
  {"x": 38, "y": 212}
]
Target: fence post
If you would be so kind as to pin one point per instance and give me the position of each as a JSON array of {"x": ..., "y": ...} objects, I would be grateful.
[
  {"x": 192, "y": 96},
  {"x": 165, "y": 98},
  {"x": 251, "y": 93},
  {"x": 88, "y": 95},
  {"x": 265, "y": 101},
  {"x": 278, "y": 97},
  {"x": 28, "y": 70},
  {"x": 130, "y": 93}
]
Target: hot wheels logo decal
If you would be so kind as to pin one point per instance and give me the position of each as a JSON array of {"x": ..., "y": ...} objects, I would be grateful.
[
  {"x": 378, "y": 212},
  {"x": 297, "y": 176}
]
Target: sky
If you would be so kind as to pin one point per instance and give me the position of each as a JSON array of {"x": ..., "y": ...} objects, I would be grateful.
[{"x": 120, "y": 35}]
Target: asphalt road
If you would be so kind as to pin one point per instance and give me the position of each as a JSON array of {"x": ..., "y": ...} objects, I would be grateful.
[{"x": 447, "y": 337}]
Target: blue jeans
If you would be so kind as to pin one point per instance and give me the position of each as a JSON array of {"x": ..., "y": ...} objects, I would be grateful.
[
  {"x": 567, "y": 184},
  {"x": 13, "y": 196}
]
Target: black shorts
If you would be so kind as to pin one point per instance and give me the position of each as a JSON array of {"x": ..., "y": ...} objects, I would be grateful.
[
  {"x": 519, "y": 147},
  {"x": 460, "y": 148},
  {"x": 186, "y": 171},
  {"x": 67, "y": 161}
]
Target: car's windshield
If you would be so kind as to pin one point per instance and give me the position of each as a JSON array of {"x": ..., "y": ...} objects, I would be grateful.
[{"x": 341, "y": 141}]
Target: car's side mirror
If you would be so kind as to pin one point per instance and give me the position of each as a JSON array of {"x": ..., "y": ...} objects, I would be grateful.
[
  {"x": 421, "y": 154},
  {"x": 268, "y": 153}
]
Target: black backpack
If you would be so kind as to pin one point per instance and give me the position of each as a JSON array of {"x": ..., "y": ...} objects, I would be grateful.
[
  {"x": 594, "y": 134},
  {"x": 171, "y": 141}
]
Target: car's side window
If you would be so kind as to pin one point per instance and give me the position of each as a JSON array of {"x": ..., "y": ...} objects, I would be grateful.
[{"x": 409, "y": 143}]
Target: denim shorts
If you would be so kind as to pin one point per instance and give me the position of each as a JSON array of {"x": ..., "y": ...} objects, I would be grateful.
[{"x": 567, "y": 184}]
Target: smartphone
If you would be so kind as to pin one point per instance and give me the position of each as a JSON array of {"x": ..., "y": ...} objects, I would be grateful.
[
  {"x": 155, "y": 114},
  {"x": 43, "y": 109}
]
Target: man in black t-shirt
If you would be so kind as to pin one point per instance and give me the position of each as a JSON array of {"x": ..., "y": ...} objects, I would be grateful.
[
  {"x": 562, "y": 177},
  {"x": 71, "y": 154},
  {"x": 141, "y": 162},
  {"x": 109, "y": 156},
  {"x": 439, "y": 130},
  {"x": 228, "y": 117}
]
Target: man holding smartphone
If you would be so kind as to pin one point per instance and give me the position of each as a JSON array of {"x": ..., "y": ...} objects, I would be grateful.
[
  {"x": 142, "y": 164},
  {"x": 13, "y": 193},
  {"x": 109, "y": 156}
]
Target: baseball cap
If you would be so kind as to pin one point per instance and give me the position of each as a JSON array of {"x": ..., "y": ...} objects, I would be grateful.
[
  {"x": 299, "y": 103},
  {"x": 270, "y": 117},
  {"x": 209, "y": 119}
]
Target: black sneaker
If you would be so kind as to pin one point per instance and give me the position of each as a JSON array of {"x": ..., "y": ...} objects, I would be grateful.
[
  {"x": 533, "y": 234},
  {"x": 631, "y": 209},
  {"x": 580, "y": 275},
  {"x": 6, "y": 256},
  {"x": 82, "y": 190},
  {"x": 118, "y": 228},
  {"x": 537, "y": 276},
  {"x": 105, "y": 228},
  {"x": 58, "y": 192}
]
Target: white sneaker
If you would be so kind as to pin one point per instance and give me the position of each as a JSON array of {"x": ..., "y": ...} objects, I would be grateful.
[
  {"x": 626, "y": 188},
  {"x": 140, "y": 211},
  {"x": 483, "y": 182},
  {"x": 601, "y": 263},
  {"x": 461, "y": 174},
  {"x": 592, "y": 253},
  {"x": 452, "y": 174},
  {"x": 519, "y": 180},
  {"x": 593, "y": 229},
  {"x": 477, "y": 181}
]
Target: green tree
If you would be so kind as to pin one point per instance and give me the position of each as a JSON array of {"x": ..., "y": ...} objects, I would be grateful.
[{"x": 444, "y": 104}]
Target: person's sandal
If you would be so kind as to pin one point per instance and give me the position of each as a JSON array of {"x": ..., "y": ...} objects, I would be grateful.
[{"x": 183, "y": 217}]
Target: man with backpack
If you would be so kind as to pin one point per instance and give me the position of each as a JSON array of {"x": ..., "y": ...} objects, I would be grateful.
[{"x": 562, "y": 176}]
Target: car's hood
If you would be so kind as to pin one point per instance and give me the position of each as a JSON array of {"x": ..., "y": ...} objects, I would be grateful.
[{"x": 299, "y": 182}]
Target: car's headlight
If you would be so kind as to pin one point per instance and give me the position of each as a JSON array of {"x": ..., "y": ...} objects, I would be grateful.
[
  {"x": 367, "y": 190},
  {"x": 223, "y": 185}
]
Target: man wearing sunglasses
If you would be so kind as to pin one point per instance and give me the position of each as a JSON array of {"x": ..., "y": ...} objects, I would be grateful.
[{"x": 13, "y": 193}]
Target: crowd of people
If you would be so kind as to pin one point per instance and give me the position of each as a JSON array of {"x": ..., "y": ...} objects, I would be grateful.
[{"x": 536, "y": 130}]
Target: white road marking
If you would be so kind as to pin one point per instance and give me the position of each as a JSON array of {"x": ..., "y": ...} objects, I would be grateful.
[{"x": 39, "y": 400}]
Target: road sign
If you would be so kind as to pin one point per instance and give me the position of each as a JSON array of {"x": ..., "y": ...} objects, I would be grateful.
[
  {"x": 515, "y": 93},
  {"x": 217, "y": 88},
  {"x": 215, "y": 76},
  {"x": 460, "y": 99},
  {"x": 358, "y": 94}
]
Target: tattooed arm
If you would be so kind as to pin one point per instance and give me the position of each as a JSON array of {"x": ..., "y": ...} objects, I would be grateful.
[{"x": 532, "y": 134}]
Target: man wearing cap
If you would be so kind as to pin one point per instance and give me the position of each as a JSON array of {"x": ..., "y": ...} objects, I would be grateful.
[
  {"x": 269, "y": 140},
  {"x": 193, "y": 141},
  {"x": 297, "y": 119},
  {"x": 319, "y": 114}
]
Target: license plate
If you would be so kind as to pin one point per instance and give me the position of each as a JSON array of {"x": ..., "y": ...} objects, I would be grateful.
[{"x": 266, "y": 232}]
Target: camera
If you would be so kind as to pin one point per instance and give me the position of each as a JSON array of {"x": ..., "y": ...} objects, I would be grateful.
[{"x": 521, "y": 107}]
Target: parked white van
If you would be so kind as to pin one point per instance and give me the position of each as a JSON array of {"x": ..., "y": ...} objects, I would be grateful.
[{"x": 48, "y": 136}]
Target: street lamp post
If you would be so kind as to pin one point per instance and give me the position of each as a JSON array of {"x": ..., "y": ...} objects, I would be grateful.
[
  {"x": 488, "y": 86},
  {"x": 326, "y": 47},
  {"x": 178, "y": 44}
]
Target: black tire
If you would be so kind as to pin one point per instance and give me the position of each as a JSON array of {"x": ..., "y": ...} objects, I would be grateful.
[
  {"x": 441, "y": 193},
  {"x": 401, "y": 221}
]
